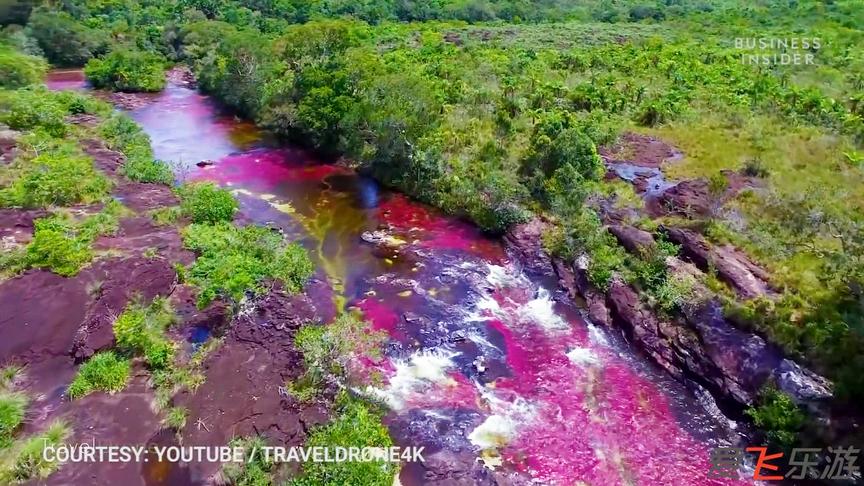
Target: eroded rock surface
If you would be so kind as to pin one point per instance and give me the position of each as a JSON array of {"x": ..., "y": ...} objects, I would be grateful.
[
  {"x": 525, "y": 241},
  {"x": 116, "y": 282},
  {"x": 244, "y": 393},
  {"x": 731, "y": 265}
]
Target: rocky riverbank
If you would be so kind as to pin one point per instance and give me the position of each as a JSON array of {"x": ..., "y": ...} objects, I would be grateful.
[{"x": 696, "y": 342}]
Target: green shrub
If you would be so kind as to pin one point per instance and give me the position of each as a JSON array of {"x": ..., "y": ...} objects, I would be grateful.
[
  {"x": 235, "y": 261},
  {"x": 205, "y": 202},
  {"x": 176, "y": 418},
  {"x": 29, "y": 109},
  {"x": 777, "y": 415},
  {"x": 57, "y": 246},
  {"x": 19, "y": 70},
  {"x": 356, "y": 424},
  {"x": 104, "y": 371},
  {"x": 62, "y": 244},
  {"x": 755, "y": 167},
  {"x": 55, "y": 179},
  {"x": 255, "y": 469},
  {"x": 328, "y": 351},
  {"x": 673, "y": 293},
  {"x": 148, "y": 170},
  {"x": 124, "y": 70},
  {"x": 605, "y": 260},
  {"x": 12, "y": 408},
  {"x": 123, "y": 134},
  {"x": 65, "y": 41},
  {"x": 25, "y": 459},
  {"x": 140, "y": 330}
]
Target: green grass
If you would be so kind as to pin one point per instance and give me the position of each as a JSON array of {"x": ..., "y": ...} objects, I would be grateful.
[
  {"x": 255, "y": 470},
  {"x": 105, "y": 371},
  {"x": 176, "y": 417},
  {"x": 166, "y": 216},
  {"x": 188, "y": 375},
  {"x": 207, "y": 203},
  {"x": 23, "y": 461},
  {"x": 356, "y": 424},
  {"x": 8, "y": 376},
  {"x": 13, "y": 405},
  {"x": 233, "y": 262},
  {"x": 140, "y": 330}
]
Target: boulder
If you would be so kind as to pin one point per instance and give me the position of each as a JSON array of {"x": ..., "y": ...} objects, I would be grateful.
[
  {"x": 687, "y": 198},
  {"x": 633, "y": 239},
  {"x": 525, "y": 242},
  {"x": 731, "y": 265}
]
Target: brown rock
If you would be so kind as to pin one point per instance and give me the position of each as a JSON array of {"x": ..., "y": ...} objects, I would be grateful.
[
  {"x": 17, "y": 224},
  {"x": 119, "y": 280},
  {"x": 640, "y": 150},
  {"x": 525, "y": 241},
  {"x": 732, "y": 266},
  {"x": 687, "y": 198},
  {"x": 633, "y": 239},
  {"x": 244, "y": 389},
  {"x": 140, "y": 196},
  {"x": 105, "y": 159}
]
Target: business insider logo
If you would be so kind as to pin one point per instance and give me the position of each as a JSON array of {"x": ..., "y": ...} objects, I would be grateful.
[
  {"x": 801, "y": 463},
  {"x": 765, "y": 51}
]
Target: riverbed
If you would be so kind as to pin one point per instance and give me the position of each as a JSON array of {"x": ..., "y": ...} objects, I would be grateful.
[{"x": 491, "y": 369}]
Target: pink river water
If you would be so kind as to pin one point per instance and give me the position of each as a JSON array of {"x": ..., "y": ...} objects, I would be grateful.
[{"x": 484, "y": 361}]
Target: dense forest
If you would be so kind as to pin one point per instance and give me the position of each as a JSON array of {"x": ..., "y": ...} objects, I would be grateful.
[{"x": 497, "y": 112}]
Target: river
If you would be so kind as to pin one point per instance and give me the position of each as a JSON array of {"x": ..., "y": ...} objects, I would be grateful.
[{"x": 484, "y": 363}]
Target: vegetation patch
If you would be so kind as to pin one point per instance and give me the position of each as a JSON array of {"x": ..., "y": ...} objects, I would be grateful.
[
  {"x": 19, "y": 70},
  {"x": 13, "y": 406},
  {"x": 181, "y": 375},
  {"x": 38, "y": 109},
  {"x": 777, "y": 415},
  {"x": 104, "y": 371},
  {"x": 329, "y": 350},
  {"x": 62, "y": 244},
  {"x": 233, "y": 262},
  {"x": 206, "y": 202},
  {"x": 24, "y": 459},
  {"x": 166, "y": 216},
  {"x": 127, "y": 70},
  {"x": 175, "y": 418},
  {"x": 357, "y": 423},
  {"x": 54, "y": 179},
  {"x": 123, "y": 134},
  {"x": 140, "y": 331},
  {"x": 64, "y": 40},
  {"x": 328, "y": 354}
]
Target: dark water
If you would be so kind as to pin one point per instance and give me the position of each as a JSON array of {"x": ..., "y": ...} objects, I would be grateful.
[{"x": 482, "y": 357}]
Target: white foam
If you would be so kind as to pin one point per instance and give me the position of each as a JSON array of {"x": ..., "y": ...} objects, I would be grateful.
[
  {"x": 503, "y": 425},
  {"x": 487, "y": 304},
  {"x": 496, "y": 431},
  {"x": 499, "y": 276},
  {"x": 597, "y": 336},
  {"x": 422, "y": 371},
  {"x": 541, "y": 310},
  {"x": 582, "y": 356}
]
